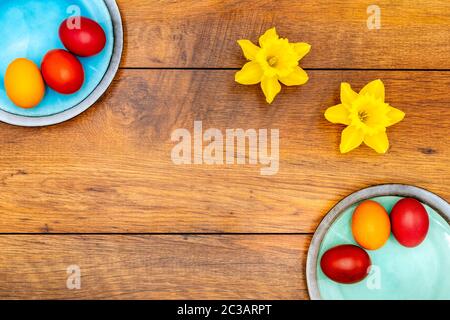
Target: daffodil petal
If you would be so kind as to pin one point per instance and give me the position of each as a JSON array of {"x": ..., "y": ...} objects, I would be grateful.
[
  {"x": 251, "y": 73},
  {"x": 378, "y": 142},
  {"x": 395, "y": 116},
  {"x": 374, "y": 88},
  {"x": 301, "y": 49},
  {"x": 347, "y": 93},
  {"x": 351, "y": 138},
  {"x": 268, "y": 36},
  {"x": 249, "y": 49},
  {"x": 296, "y": 78},
  {"x": 338, "y": 114},
  {"x": 271, "y": 88}
]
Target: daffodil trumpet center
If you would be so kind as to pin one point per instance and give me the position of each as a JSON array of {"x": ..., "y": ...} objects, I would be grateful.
[
  {"x": 272, "y": 61},
  {"x": 369, "y": 114},
  {"x": 363, "y": 116}
]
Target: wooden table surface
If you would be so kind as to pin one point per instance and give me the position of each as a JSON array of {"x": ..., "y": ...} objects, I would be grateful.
[{"x": 101, "y": 191}]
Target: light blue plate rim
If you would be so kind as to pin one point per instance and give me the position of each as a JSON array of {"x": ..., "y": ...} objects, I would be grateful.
[
  {"x": 441, "y": 206},
  {"x": 101, "y": 88}
]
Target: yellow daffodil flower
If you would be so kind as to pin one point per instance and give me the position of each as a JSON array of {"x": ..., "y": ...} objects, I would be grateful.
[
  {"x": 275, "y": 60},
  {"x": 366, "y": 115}
]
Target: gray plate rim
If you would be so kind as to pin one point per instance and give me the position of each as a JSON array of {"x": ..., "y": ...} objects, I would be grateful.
[
  {"x": 441, "y": 206},
  {"x": 101, "y": 88}
]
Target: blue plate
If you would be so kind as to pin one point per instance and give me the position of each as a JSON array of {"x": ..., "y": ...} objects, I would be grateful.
[
  {"x": 30, "y": 30},
  {"x": 399, "y": 272}
]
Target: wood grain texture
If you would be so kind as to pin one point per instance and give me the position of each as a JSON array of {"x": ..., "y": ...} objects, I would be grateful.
[
  {"x": 203, "y": 33},
  {"x": 110, "y": 169},
  {"x": 154, "y": 267}
]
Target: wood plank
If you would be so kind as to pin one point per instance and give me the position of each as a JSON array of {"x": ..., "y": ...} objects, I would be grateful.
[
  {"x": 154, "y": 267},
  {"x": 110, "y": 169},
  {"x": 203, "y": 33}
]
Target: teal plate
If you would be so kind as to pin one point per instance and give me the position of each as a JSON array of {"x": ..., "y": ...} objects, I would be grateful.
[
  {"x": 30, "y": 30},
  {"x": 398, "y": 272}
]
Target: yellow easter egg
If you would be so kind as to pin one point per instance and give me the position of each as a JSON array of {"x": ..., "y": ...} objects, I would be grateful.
[{"x": 24, "y": 84}]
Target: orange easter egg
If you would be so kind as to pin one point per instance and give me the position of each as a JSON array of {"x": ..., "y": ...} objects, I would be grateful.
[
  {"x": 371, "y": 226},
  {"x": 24, "y": 84}
]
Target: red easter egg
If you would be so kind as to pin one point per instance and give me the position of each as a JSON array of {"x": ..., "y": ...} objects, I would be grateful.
[
  {"x": 346, "y": 263},
  {"x": 62, "y": 71},
  {"x": 410, "y": 222},
  {"x": 83, "y": 37}
]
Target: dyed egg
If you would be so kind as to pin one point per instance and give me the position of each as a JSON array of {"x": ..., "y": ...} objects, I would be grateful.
[
  {"x": 62, "y": 71},
  {"x": 83, "y": 37},
  {"x": 346, "y": 264},
  {"x": 371, "y": 226},
  {"x": 24, "y": 84},
  {"x": 410, "y": 222}
]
